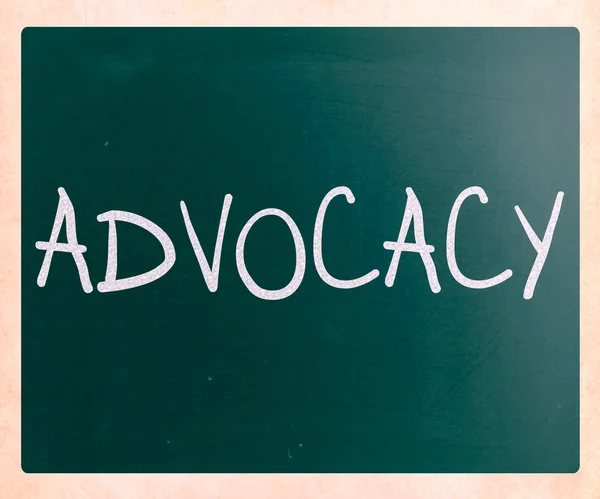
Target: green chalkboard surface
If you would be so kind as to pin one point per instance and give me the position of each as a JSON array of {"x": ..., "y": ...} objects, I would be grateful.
[{"x": 409, "y": 302}]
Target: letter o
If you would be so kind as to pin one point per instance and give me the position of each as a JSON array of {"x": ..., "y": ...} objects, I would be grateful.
[{"x": 293, "y": 285}]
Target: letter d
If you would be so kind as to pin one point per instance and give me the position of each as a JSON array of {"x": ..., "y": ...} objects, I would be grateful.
[{"x": 111, "y": 283}]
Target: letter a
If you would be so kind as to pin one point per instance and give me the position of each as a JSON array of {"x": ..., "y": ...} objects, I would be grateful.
[
  {"x": 64, "y": 211},
  {"x": 412, "y": 211}
]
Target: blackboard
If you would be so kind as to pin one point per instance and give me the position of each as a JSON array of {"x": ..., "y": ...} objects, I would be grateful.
[{"x": 415, "y": 370}]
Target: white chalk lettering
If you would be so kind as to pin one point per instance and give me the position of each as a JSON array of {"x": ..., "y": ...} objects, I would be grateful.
[
  {"x": 211, "y": 275},
  {"x": 111, "y": 283},
  {"x": 318, "y": 245},
  {"x": 293, "y": 285},
  {"x": 413, "y": 212},
  {"x": 541, "y": 247},
  {"x": 451, "y": 238},
  {"x": 64, "y": 211},
  {"x": 413, "y": 215}
]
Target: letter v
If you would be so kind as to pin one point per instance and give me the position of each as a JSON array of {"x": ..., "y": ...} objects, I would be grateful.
[{"x": 211, "y": 275}]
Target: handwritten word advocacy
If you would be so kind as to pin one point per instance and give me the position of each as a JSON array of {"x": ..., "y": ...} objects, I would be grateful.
[{"x": 412, "y": 213}]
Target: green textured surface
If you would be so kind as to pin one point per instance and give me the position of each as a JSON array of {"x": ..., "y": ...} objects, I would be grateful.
[{"x": 169, "y": 377}]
